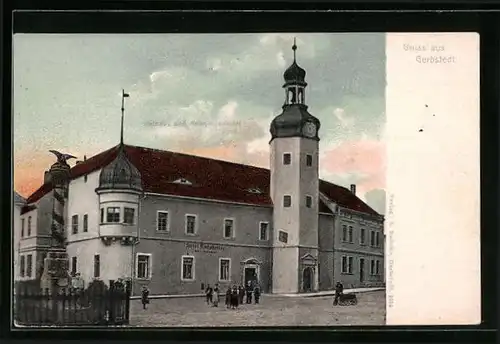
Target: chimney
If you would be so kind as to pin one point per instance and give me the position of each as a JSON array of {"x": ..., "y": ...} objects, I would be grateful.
[
  {"x": 353, "y": 188},
  {"x": 46, "y": 177},
  {"x": 84, "y": 158}
]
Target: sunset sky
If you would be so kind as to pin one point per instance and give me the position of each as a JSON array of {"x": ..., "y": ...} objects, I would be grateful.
[{"x": 204, "y": 94}]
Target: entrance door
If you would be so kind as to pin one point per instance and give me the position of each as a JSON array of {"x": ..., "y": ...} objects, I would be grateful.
[
  {"x": 307, "y": 279},
  {"x": 250, "y": 275},
  {"x": 361, "y": 270}
]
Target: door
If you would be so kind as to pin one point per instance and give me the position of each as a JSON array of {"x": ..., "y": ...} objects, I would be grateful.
[
  {"x": 307, "y": 279},
  {"x": 361, "y": 270},
  {"x": 250, "y": 275}
]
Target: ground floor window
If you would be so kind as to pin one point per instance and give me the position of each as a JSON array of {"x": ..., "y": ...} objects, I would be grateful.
[
  {"x": 143, "y": 266},
  {"x": 347, "y": 263},
  {"x": 97, "y": 266},
  {"x": 29, "y": 265},
  {"x": 187, "y": 268},
  {"x": 224, "y": 269},
  {"x": 22, "y": 266},
  {"x": 74, "y": 265}
]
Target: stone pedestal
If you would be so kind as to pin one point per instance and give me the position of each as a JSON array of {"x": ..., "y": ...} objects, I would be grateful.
[{"x": 55, "y": 276}]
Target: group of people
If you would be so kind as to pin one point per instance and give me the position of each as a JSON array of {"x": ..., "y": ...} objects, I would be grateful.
[{"x": 235, "y": 295}]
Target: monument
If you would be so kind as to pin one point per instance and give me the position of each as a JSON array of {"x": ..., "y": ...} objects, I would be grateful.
[{"x": 55, "y": 275}]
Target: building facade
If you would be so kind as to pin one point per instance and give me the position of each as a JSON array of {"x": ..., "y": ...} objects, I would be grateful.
[{"x": 178, "y": 222}]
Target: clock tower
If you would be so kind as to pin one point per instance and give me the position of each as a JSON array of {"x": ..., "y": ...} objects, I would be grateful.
[{"x": 295, "y": 189}]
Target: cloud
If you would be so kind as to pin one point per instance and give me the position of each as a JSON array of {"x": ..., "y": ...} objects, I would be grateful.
[
  {"x": 363, "y": 161},
  {"x": 212, "y": 95}
]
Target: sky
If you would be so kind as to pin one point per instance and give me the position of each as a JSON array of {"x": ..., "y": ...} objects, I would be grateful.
[{"x": 212, "y": 95}]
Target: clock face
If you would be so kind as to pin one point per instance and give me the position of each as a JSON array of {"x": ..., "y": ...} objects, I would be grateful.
[{"x": 309, "y": 129}]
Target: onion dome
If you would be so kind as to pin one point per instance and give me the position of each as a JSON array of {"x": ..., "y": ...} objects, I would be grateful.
[
  {"x": 120, "y": 174},
  {"x": 294, "y": 74}
]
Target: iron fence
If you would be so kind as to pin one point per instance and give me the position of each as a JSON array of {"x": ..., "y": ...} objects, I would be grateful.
[{"x": 102, "y": 306}]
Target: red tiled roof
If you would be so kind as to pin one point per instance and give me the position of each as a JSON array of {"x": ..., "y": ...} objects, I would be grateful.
[{"x": 211, "y": 179}]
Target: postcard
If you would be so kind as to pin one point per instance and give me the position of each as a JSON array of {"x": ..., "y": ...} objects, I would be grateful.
[{"x": 270, "y": 179}]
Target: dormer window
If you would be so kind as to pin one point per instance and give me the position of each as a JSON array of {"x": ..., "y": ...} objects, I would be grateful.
[
  {"x": 183, "y": 181},
  {"x": 254, "y": 191}
]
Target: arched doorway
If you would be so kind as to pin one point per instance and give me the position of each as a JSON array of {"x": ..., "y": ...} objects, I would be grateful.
[{"x": 307, "y": 279}]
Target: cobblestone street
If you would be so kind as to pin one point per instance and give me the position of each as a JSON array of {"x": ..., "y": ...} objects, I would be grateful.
[{"x": 272, "y": 311}]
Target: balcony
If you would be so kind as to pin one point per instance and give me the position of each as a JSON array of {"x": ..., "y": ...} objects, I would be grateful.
[{"x": 112, "y": 232}]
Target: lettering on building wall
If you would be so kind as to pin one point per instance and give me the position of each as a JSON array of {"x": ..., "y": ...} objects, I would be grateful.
[{"x": 203, "y": 247}]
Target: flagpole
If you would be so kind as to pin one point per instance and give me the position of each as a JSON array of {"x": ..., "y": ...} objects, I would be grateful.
[{"x": 123, "y": 109}]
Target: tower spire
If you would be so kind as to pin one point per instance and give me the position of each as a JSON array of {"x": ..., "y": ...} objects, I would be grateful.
[
  {"x": 124, "y": 95},
  {"x": 294, "y": 48}
]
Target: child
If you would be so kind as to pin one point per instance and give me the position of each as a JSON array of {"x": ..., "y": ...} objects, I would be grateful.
[{"x": 144, "y": 296}]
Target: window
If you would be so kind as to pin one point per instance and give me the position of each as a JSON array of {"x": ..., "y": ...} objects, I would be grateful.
[
  {"x": 224, "y": 269},
  {"x": 162, "y": 221},
  {"x": 86, "y": 223},
  {"x": 187, "y": 268},
  {"x": 29, "y": 265},
  {"x": 29, "y": 225},
  {"x": 102, "y": 215},
  {"x": 263, "y": 230},
  {"x": 347, "y": 264},
  {"x": 350, "y": 234},
  {"x": 22, "y": 266},
  {"x": 128, "y": 216},
  {"x": 287, "y": 159},
  {"x": 113, "y": 214},
  {"x": 287, "y": 201},
  {"x": 283, "y": 236},
  {"x": 143, "y": 266},
  {"x": 372, "y": 267},
  {"x": 362, "y": 239},
  {"x": 344, "y": 233},
  {"x": 377, "y": 239},
  {"x": 22, "y": 228},
  {"x": 190, "y": 224},
  {"x": 372, "y": 238},
  {"x": 309, "y": 160},
  {"x": 74, "y": 224},
  {"x": 309, "y": 200},
  {"x": 97, "y": 266},
  {"x": 377, "y": 267},
  {"x": 74, "y": 263},
  {"x": 228, "y": 228}
]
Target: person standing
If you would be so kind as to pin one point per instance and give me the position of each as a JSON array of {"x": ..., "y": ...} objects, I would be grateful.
[
  {"x": 215, "y": 300},
  {"x": 144, "y": 296},
  {"x": 256, "y": 293},
  {"x": 249, "y": 290},
  {"x": 339, "y": 290},
  {"x": 241, "y": 294},
  {"x": 209, "y": 294},
  {"x": 234, "y": 297},
  {"x": 228, "y": 297}
]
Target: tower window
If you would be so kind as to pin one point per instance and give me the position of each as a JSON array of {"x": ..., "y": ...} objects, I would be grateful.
[
  {"x": 74, "y": 224},
  {"x": 86, "y": 223},
  {"x": 113, "y": 214},
  {"x": 22, "y": 228},
  {"x": 97, "y": 266},
  {"x": 22, "y": 266},
  {"x": 344, "y": 233},
  {"x": 128, "y": 216},
  {"x": 287, "y": 159},
  {"x": 350, "y": 234},
  {"x": 309, "y": 160},
  {"x": 29, "y": 225},
  {"x": 287, "y": 201},
  {"x": 309, "y": 200}
]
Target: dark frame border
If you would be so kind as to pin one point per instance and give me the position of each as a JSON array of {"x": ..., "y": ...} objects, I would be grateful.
[{"x": 307, "y": 17}]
